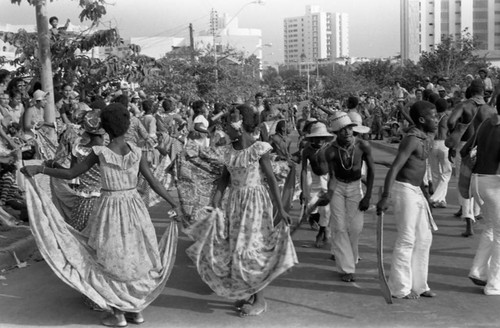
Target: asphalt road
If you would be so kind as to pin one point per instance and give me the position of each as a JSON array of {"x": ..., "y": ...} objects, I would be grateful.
[{"x": 310, "y": 295}]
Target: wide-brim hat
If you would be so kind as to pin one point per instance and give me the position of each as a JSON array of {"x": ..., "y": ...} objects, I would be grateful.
[
  {"x": 319, "y": 130},
  {"x": 358, "y": 120},
  {"x": 340, "y": 120}
]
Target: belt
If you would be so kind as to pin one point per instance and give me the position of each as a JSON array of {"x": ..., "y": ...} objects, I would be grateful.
[{"x": 346, "y": 181}]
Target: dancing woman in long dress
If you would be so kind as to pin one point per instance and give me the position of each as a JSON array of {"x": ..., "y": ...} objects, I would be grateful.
[
  {"x": 241, "y": 256},
  {"x": 116, "y": 260}
]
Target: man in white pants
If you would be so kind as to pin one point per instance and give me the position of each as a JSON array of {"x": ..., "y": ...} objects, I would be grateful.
[
  {"x": 471, "y": 111},
  {"x": 345, "y": 158},
  {"x": 414, "y": 222},
  {"x": 314, "y": 176},
  {"x": 438, "y": 159},
  {"x": 485, "y": 183}
]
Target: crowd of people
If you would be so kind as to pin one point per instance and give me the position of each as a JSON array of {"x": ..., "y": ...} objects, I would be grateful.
[{"x": 113, "y": 154}]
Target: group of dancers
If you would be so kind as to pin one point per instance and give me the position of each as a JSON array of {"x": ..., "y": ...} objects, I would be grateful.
[{"x": 241, "y": 241}]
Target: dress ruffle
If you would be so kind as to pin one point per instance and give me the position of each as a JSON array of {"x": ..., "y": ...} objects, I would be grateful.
[
  {"x": 247, "y": 156},
  {"x": 123, "y": 162}
]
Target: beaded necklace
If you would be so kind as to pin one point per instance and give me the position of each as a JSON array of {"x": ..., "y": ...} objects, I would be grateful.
[{"x": 349, "y": 157}]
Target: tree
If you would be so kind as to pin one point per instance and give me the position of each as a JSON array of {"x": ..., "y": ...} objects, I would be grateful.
[
  {"x": 453, "y": 58},
  {"x": 380, "y": 72},
  {"x": 272, "y": 80},
  {"x": 92, "y": 10}
]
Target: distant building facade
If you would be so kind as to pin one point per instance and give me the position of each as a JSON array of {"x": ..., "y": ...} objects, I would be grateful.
[
  {"x": 316, "y": 36},
  {"x": 425, "y": 22}
]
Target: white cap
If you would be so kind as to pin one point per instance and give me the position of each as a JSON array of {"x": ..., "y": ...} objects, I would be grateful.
[{"x": 39, "y": 95}]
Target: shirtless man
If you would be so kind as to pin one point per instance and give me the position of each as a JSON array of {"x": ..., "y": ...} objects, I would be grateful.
[
  {"x": 485, "y": 270},
  {"x": 464, "y": 113},
  {"x": 345, "y": 158},
  {"x": 314, "y": 177},
  {"x": 410, "y": 258}
]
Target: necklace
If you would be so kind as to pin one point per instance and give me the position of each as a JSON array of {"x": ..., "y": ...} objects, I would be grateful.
[{"x": 349, "y": 158}]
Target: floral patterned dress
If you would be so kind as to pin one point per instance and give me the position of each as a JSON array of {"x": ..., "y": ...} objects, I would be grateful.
[
  {"x": 239, "y": 252},
  {"x": 116, "y": 260},
  {"x": 88, "y": 190}
]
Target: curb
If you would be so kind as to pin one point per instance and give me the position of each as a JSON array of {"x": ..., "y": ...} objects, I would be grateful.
[{"x": 23, "y": 249}]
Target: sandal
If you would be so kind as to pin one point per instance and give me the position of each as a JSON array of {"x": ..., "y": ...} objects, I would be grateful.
[
  {"x": 253, "y": 310},
  {"x": 112, "y": 321},
  {"x": 478, "y": 282},
  {"x": 428, "y": 293},
  {"x": 240, "y": 303},
  {"x": 347, "y": 277},
  {"x": 134, "y": 317}
]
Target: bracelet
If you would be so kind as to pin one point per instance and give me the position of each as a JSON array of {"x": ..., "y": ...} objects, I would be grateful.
[{"x": 386, "y": 195}]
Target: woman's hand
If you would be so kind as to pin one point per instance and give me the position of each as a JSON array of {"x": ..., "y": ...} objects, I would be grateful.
[
  {"x": 31, "y": 170},
  {"x": 38, "y": 125},
  {"x": 282, "y": 216},
  {"x": 175, "y": 214}
]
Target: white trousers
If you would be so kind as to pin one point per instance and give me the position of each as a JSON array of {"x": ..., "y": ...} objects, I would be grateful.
[
  {"x": 470, "y": 209},
  {"x": 346, "y": 224},
  {"x": 486, "y": 263},
  {"x": 441, "y": 171},
  {"x": 317, "y": 184},
  {"x": 410, "y": 257}
]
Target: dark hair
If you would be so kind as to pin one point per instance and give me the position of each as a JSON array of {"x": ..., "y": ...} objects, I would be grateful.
[
  {"x": 352, "y": 102},
  {"x": 267, "y": 104},
  {"x": 4, "y": 74},
  {"x": 420, "y": 109},
  {"x": 218, "y": 107},
  {"x": 115, "y": 119},
  {"x": 14, "y": 92},
  {"x": 259, "y": 94},
  {"x": 167, "y": 105},
  {"x": 51, "y": 19},
  {"x": 441, "y": 105},
  {"x": 122, "y": 99},
  {"x": 98, "y": 103},
  {"x": 476, "y": 87},
  {"x": 147, "y": 106},
  {"x": 249, "y": 117},
  {"x": 197, "y": 107},
  {"x": 281, "y": 126},
  {"x": 426, "y": 94},
  {"x": 434, "y": 97}
]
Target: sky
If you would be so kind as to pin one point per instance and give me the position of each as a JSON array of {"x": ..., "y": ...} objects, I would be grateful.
[{"x": 373, "y": 24}]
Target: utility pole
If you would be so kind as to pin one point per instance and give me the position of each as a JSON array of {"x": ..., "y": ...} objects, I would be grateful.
[
  {"x": 191, "y": 41},
  {"x": 42, "y": 26}
]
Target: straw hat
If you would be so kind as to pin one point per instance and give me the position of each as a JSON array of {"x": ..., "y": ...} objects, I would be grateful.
[
  {"x": 359, "y": 127},
  {"x": 319, "y": 130},
  {"x": 340, "y": 120}
]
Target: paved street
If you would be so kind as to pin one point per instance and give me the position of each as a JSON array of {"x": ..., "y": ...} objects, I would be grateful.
[{"x": 311, "y": 295}]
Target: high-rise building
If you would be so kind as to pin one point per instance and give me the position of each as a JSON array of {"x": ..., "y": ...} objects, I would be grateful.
[
  {"x": 425, "y": 22},
  {"x": 317, "y": 35}
]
